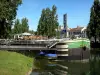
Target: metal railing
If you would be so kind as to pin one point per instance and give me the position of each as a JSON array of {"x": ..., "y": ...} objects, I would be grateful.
[{"x": 12, "y": 42}]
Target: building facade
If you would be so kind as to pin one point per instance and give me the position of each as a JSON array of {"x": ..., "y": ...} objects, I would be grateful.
[{"x": 78, "y": 32}]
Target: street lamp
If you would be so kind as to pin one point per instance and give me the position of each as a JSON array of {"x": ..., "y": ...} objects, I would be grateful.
[
  {"x": 83, "y": 48},
  {"x": 56, "y": 32}
]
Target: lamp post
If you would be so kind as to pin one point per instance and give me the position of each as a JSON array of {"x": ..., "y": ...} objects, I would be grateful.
[
  {"x": 56, "y": 32},
  {"x": 83, "y": 48}
]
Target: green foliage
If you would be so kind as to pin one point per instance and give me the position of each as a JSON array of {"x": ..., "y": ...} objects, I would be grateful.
[
  {"x": 31, "y": 31},
  {"x": 58, "y": 34},
  {"x": 17, "y": 27},
  {"x": 93, "y": 28},
  {"x": 21, "y": 27},
  {"x": 8, "y": 13},
  {"x": 48, "y": 22},
  {"x": 24, "y": 24},
  {"x": 35, "y": 33}
]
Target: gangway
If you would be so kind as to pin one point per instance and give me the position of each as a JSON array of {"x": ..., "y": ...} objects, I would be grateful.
[
  {"x": 56, "y": 42},
  {"x": 53, "y": 44}
]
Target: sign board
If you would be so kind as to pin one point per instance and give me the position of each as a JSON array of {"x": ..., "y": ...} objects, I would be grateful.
[{"x": 65, "y": 21}]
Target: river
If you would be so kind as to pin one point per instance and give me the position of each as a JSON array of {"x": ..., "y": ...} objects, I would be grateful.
[
  {"x": 64, "y": 67},
  {"x": 88, "y": 66}
]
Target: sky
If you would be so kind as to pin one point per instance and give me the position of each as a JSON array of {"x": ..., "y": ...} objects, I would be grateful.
[{"x": 78, "y": 11}]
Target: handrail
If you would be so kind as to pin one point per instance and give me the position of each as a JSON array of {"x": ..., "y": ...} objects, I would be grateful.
[{"x": 48, "y": 43}]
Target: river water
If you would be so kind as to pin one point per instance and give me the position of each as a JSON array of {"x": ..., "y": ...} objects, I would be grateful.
[
  {"x": 62, "y": 67},
  {"x": 90, "y": 66}
]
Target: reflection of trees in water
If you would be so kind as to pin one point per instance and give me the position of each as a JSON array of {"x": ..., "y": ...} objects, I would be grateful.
[
  {"x": 95, "y": 64},
  {"x": 76, "y": 68},
  {"x": 46, "y": 67},
  {"x": 73, "y": 68},
  {"x": 40, "y": 62}
]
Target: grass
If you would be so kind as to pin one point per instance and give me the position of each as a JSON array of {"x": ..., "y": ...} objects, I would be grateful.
[
  {"x": 12, "y": 63},
  {"x": 78, "y": 44}
]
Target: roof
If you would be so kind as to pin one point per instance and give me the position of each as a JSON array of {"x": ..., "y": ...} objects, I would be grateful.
[
  {"x": 26, "y": 33},
  {"x": 76, "y": 29}
]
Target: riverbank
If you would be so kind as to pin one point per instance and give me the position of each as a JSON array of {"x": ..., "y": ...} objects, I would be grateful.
[{"x": 12, "y": 63}]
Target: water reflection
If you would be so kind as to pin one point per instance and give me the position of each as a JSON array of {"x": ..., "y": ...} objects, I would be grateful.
[
  {"x": 44, "y": 66},
  {"x": 94, "y": 64},
  {"x": 40, "y": 62},
  {"x": 51, "y": 67}
]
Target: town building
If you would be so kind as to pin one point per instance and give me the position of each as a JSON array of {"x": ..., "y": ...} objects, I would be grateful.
[{"x": 78, "y": 32}]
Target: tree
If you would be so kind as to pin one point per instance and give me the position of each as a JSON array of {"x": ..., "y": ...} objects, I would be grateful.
[
  {"x": 93, "y": 28},
  {"x": 55, "y": 18},
  {"x": 21, "y": 27},
  {"x": 41, "y": 23},
  {"x": 48, "y": 22},
  {"x": 17, "y": 27},
  {"x": 24, "y": 25},
  {"x": 35, "y": 33},
  {"x": 31, "y": 31},
  {"x": 8, "y": 13}
]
